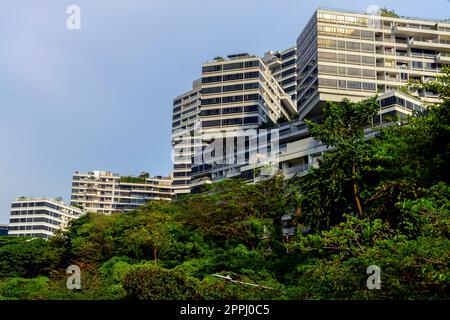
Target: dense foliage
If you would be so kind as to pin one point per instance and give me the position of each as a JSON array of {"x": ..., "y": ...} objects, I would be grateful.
[{"x": 382, "y": 201}]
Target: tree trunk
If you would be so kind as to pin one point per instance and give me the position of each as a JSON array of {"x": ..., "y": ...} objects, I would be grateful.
[
  {"x": 155, "y": 255},
  {"x": 356, "y": 191}
]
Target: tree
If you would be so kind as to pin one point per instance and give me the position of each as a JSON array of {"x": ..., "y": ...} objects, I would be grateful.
[
  {"x": 155, "y": 283},
  {"x": 340, "y": 174},
  {"x": 385, "y": 12},
  {"x": 27, "y": 257}
]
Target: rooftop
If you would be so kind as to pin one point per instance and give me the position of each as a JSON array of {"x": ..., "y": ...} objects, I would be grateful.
[
  {"x": 232, "y": 57},
  {"x": 400, "y": 16},
  {"x": 59, "y": 201}
]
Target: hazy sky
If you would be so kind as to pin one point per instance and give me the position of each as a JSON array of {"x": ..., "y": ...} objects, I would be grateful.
[{"x": 100, "y": 98}]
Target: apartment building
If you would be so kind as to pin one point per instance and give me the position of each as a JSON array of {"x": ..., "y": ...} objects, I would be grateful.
[
  {"x": 40, "y": 217},
  {"x": 4, "y": 229},
  {"x": 283, "y": 66},
  {"x": 298, "y": 151},
  {"x": 242, "y": 91},
  {"x": 106, "y": 192},
  {"x": 339, "y": 54},
  {"x": 355, "y": 55},
  {"x": 185, "y": 125},
  {"x": 237, "y": 93}
]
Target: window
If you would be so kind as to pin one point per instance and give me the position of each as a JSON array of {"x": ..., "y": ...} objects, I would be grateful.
[
  {"x": 231, "y": 110},
  {"x": 251, "y": 97},
  {"x": 367, "y": 73},
  {"x": 289, "y": 89},
  {"x": 211, "y": 90},
  {"x": 233, "y": 121},
  {"x": 353, "y": 59},
  {"x": 288, "y": 63},
  {"x": 286, "y": 81},
  {"x": 252, "y": 85},
  {"x": 367, "y": 47},
  {"x": 353, "y": 46},
  {"x": 328, "y": 83},
  {"x": 327, "y": 43},
  {"x": 327, "y": 56},
  {"x": 368, "y": 86},
  {"x": 212, "y": 68},
  {"x": 211, "y": 101},
  {"x": 253, "y": 74},
  {"x": 353, "y": 72},
  {"x": 231, "y": 77},
  {"x": 327, "y": 69},
  {"x": 417, "y": 64},
  {"x": 211, "y": 79},
  {"x": 210, "y": 112},
  {"x": 253, "y": 63},
  {"x": 288, "y": 72},
  {"x": 234, "y": 87},
  {"x": 368, "y": 61},
  {"x": 253, "y": 108},
  {"x": 365, "y": 34},
  {"x": 353, "y": 85},
  {"x": 431, "y": 66},
  {"x": 288, "y": 54},
  {"x": 232, "y": 99},
  {"x": 231, "y": 66},
  {"x": 250, "y": 120},
  {"x": 210, "y": 123}
]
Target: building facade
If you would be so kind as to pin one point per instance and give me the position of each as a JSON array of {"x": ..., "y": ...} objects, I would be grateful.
[
  {"x": 356, "y": 55},
  {"x": 283, "y": 66},
  {"x": 238, "y": 93},
  {"x": 106, "y": 192},
  {"x": 4, "y": 229},
  {"x": 241, "y": 92},
  {"x": 40, "y": 217},
  {"x": 298, "y": 151},
  {"x": 339, "y": 54},
  {"x": 186, "y": 112}
]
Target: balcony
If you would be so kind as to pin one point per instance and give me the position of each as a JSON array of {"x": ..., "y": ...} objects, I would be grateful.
[
  {"x": 415, "y": 31},
  {"x": 429, "y": 44},
  {"x": 443, "y": 57},
  {"x": 388, "y": 78},
  {"x": 298, "y": 169}
]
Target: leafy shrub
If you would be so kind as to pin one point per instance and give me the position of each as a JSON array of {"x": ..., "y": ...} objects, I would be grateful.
[{"x": 155, "y": 283}]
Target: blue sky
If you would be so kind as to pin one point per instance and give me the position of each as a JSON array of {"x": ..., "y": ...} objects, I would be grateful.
[{"x": 100, "y": 98}]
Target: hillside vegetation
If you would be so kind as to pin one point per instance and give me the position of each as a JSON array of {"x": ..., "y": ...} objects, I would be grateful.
[{"x": 382, "y": 201}]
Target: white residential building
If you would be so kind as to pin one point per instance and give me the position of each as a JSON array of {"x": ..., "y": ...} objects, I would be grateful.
[
  {"x": 355, "y": 55},
  {"x": 107, "y": 192},
  {"x": 283, "y": 66},
  {"x": 40, "y": 217}
]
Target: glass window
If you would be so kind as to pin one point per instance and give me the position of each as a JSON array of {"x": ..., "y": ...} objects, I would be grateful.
[
  {"x": 231, "y": 66},
  {"x": 214, "y": 68},
  {"x": 354, "y": 85}
]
